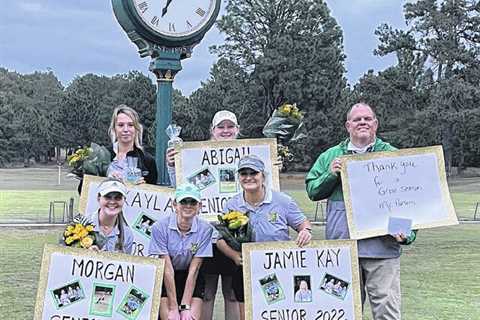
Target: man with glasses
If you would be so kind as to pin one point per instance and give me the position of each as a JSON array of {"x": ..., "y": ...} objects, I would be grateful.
[
  {"x": 379, "y": 257},
  {"x": 183, "y": 240}
]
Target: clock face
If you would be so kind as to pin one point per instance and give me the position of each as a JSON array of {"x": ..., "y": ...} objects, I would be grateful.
[{"x": 175, "y": 18}]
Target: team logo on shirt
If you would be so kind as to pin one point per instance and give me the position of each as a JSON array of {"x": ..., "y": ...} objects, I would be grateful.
[
  {"x": 194, "y": 248},
  {"x": 273, "y": 217}
]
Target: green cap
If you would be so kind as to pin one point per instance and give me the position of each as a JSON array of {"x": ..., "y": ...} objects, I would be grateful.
[{"x": 187, "y": 190}]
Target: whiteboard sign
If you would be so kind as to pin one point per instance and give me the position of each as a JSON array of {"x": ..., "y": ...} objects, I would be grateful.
[
  {"x": 212, "y": 167},
  {"x": 319, "y": 281},
  {"x": 409, "y": 184},
  {"x": 82, "y": 284},
  {"x": 144, "y": 205}
]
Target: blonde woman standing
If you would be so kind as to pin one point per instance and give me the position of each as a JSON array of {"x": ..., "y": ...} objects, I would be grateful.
[{"x": 126, "y": 132}]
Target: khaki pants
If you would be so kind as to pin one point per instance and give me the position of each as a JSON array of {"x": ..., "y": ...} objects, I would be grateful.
[{"x": 380, "y": 278}]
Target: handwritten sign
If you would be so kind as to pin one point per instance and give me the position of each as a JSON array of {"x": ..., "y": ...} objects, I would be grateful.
[
  {"x": 409, "y": 184},
  {"x": 283, "y": 281},
  {"x": 212, "y": 165},
  {"x": 144, "y": 205},
  {"x": 82, "y": 284}
]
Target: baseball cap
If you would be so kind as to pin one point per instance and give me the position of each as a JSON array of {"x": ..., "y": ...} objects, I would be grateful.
[
  {"x": 251, "y": 162},
  {"x": 187, "y": 190},
  {"x": 224, "y": 115},
  {"x": 108, "y": 186}
]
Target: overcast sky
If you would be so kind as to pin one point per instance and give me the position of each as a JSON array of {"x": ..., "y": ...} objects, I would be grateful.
[{"x": 82, "y": 36}]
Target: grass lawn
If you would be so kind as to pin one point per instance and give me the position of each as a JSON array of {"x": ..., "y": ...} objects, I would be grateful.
[{"x": 440, "y": 272}]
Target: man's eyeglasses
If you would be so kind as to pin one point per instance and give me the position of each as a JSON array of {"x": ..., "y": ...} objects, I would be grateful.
[
  {"x": 188, "y": 202},
  {"x": 245, "y": 173},
  {"x": 114, "y": 196}
]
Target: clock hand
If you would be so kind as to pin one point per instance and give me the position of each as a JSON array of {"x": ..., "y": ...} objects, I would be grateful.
[{"x": 164, "y": 10}]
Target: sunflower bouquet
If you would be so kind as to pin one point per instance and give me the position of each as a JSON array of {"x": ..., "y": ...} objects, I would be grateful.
[
  {"x": 235, "y": 229},
  {"x": 80, "y": 233},
  {"x": 93, "y": 160},
  {"x": 285, "y": 124}
]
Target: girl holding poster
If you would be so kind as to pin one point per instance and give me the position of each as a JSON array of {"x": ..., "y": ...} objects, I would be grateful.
[
  {"x": 270, "y": 214},
  {"x": 224, "y": 127},
  {"x": 183, "y": 240},
  {"x": 109, "y": 220}
]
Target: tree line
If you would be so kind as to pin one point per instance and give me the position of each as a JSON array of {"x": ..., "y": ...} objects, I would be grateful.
[{"x": 279, "y": 51}]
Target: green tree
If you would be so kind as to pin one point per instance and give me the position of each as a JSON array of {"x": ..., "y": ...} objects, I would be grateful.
[
  {"x": 27, "y": 105},
  {"x": 292, "y": 52},
  {"x": 228, "y": 87},
  {"x": 445, "y": 35},
  {"x": 85, "y": 111}
]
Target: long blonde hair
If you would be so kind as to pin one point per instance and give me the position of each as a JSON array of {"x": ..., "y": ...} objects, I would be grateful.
[{"x": 132, "y": 114}]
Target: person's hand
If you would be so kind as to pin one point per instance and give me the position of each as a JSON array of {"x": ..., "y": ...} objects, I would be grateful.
[
  {"x": 304, "y": 237},
  {"x": 400, "y": 237},
  {"x": 171, "y": 157},
  {"x": 186, "y": 315},
  {"x": 117, "y": 175},
  {"x": 336, "y": 166},
  {"x": 238, "y": 259},
  {"x": 173, "y": 314},
  {"x": 140, "y": 180}
]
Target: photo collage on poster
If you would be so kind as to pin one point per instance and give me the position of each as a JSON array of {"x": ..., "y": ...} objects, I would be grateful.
[
  {"x": 205, "y": 177},
  {"x": 143, "y": 224},
  {"x": 304, "y": 291},
  {"x": 102, "y": 299}
]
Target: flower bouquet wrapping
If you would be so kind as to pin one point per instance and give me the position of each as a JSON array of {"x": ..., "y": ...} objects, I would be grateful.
[
  {"x": 93, "y": 160},
  {"x": 80, "y": 234},
  {"x": 285, "y": 124},
  {"x": 235, "y": 229}
]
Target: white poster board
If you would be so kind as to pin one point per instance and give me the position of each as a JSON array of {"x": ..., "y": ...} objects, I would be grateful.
[
  {"x": 408, "y": 184},
  {"x": 144, "y": 205},
  {"x": 83, "y": 284},
  {"x": 319, "y": 281},
  {"x": 212, "y": 165}
]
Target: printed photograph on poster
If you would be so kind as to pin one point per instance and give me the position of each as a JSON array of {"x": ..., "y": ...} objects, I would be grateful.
[
  {"x": 103, "y": 296},
  {"x": 202, "y": 178},
  {"x": 132, "y": 303},
  {"x": 143, "y": 224},
  {"x": 271, "y": 288},
  {"x": 68, "y": 294},
  {"x": 334, "y": 286},
  {"x": 302, "y": 288},
  {"x": 228, "y": 182}
]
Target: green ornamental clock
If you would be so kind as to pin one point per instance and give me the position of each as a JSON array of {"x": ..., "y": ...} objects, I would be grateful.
[
  {"x": 166, "y": 23},
  {"x": 167, "y": 31}
]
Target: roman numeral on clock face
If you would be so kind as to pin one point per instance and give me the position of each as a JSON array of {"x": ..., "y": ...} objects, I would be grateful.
[
  {"x": 143, "y": 6},
  {"x": 189, "y": 25},
  {"x": 171, "y": 27},
  {"x": 200, "y": 12},
  {"x": 155, "y": 21}
]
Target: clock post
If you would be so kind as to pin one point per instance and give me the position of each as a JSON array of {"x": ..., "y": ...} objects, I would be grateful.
[
  {"x": 166, "y": 31},
  {"x": 165, "y": 66}
]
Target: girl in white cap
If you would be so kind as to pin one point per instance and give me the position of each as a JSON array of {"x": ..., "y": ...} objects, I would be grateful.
[
  {"x": 109, "y": 220},
  {"x": 224, "y": 127}
]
